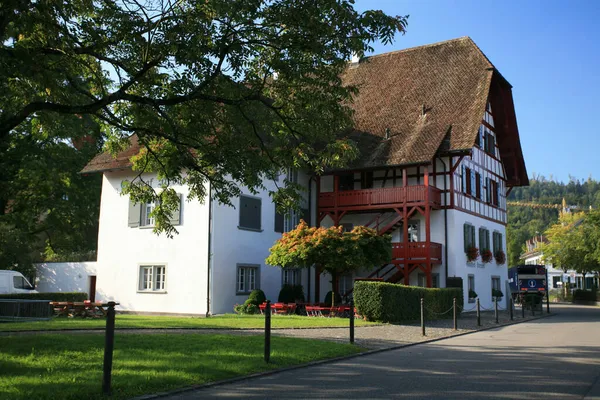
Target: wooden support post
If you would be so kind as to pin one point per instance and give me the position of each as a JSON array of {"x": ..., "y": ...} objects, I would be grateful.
[
  {"x": 109, "y": 344},
  {"x": 268, "y": 331}
]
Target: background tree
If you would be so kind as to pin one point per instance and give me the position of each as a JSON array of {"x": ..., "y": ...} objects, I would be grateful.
[
  {"x": 572, "y": 244},
  {"x": 48, "y": 209},
  {"x": 526, "y": 222},
  {"x": 335, "y": 251},
  {"x": 219, "y": 91}
]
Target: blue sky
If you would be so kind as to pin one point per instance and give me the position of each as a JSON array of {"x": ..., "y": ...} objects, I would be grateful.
[{"x": 548, "y": 50}]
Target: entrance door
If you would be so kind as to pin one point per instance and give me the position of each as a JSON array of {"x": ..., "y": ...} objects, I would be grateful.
[{"x": 92, "y": 288}]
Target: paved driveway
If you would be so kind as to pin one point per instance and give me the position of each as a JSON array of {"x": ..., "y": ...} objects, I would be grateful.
[{"x": 556, "y": 357}]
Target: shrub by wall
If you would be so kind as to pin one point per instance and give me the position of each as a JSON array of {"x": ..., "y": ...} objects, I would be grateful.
[
  {"x": 388, "y": 302},
  {"x": 585, "y": 295},
  {"x": 60, "y": 296}
]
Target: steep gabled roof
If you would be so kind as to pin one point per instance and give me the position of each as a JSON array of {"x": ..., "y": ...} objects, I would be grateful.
[
  {"x": 106, "y": 162},
  {"x": 420, "y": 96}
]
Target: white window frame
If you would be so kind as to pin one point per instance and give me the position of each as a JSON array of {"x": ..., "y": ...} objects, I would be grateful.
[
  {"x": 152, "y": 278},
  {"x": 146, "y": 219},
  {"x": 291, "y": 277},
  {"x": 435, "y": 280},
  {"x": 245, "y": 280},
  {"x": 469, "y": 287},
  {"x": 417, "y": 231}
]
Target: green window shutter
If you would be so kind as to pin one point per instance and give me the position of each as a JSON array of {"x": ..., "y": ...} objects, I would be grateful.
[
  {"x": 466, "y": 236},
  {"x": 250, "y": 213},
  {"x": 481, "y": 238},
  {"x": 135, "y": 213},
  {"x": 278, "y": 221},
  {"x": 473, "y": 236},
  {"x": 464, "y": 179},
  {"x": 175, "y": 218}
]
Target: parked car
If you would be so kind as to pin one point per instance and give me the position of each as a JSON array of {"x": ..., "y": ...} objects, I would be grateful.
[{"x": 14, "y": 282}]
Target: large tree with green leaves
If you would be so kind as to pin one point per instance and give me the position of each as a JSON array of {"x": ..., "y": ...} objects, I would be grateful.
[
  {"x": 335, "y": 251},
  {"x": 219, "y": 91},
  {"x": 573, "y": 243}
]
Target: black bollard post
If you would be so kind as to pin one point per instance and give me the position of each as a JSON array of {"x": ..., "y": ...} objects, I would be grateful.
[
  {"x": 548, "y": 302},
  {"x": 511, "y": 306},
  {"x": 422, "y": 317},
  {"x": 351, "y": 321},
  {"x": 268, "y": 331},
  {"x": 455, "y": 315},
  {"x": 496, "y": 308},
  {"x": 478, "y": 312},
  {"x": 109, "y": 344},
  {"x": 523, "y": 306},
  {"x": 532, "y": 306}
]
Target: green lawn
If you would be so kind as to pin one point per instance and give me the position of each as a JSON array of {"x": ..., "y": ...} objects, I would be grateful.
[
  {"x": 227, "y": 321},
  {"x": 52, "y": 366}
]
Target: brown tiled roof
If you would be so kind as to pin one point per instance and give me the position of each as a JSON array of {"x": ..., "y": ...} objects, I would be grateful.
[
  {"x": 419, "y": 95},
  {"x": 106, "y": 162}
]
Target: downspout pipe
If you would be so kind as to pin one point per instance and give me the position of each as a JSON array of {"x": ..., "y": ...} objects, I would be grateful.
[
  {"x": 445, "y": 220},
  {"x": 209, "y": 257}
]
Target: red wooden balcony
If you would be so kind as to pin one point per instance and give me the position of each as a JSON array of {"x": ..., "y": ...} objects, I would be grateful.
[
  {"x": 366, "y": 199},
  {"x": 417, "y": 251}
]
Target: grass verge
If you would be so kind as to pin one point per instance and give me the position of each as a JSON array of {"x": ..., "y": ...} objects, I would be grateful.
[
  {"x": 51, "y": 366},
  {"x": 227, "y": 321}
]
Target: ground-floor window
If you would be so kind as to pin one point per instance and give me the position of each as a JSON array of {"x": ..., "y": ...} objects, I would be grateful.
[
  {"x": 152, "y": 278},
  {"x": 495, "y": 285},
  {"x": 247, "y": 278},
  {"x": 345, "y": 283},
  {"x": 435, "y": 280},
  {"x": 471, "y": 287},
  {"x": 292, "y": 277},
  {"x": 555, "y": 280}
]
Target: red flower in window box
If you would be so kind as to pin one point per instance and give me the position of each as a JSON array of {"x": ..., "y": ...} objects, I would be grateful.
[
  {"x": 500, "y": 257},
  {"x": 486, "y": 256},
  {"x": 472, "y": 254}
]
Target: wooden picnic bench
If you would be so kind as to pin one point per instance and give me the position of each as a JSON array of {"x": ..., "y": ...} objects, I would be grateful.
[{"x": 79, "y": 309}]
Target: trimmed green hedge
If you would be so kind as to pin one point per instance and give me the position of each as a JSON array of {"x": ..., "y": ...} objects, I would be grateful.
[
  {"x": 585, "y": 295},
  {"x": 389, "y": 302},
  {"x": 58, "y": 296}
]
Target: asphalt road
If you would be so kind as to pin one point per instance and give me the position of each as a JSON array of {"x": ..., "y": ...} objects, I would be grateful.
[{"x": 556, "y": 357}]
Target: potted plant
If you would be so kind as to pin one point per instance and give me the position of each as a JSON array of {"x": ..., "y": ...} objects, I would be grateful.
[
  {"x": 500, "y": 257},
  {"x": 472, "y": 254},
  {"x": 472, "y": 295},
  {"x": 497, "y": 293},
  {"x": 486, "y": 256}
]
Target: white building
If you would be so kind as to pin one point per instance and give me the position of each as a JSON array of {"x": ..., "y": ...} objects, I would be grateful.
[
  {"x": 440, "y": 152},
  {"x": 557, "y": 278}
]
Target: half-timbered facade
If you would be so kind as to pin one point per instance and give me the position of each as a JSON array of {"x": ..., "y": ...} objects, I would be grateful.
[{"x": 440, "y": 152}]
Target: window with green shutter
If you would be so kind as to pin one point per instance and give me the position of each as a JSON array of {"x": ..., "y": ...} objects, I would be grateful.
[
  {"x": 250, "y": 213},
  {"x": 469, "y": 236}
]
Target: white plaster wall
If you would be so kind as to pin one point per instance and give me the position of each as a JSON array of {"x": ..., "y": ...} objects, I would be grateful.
[
  {"x": 483, "y": 272},
  {"x": 233, "y": 246},
  {"x": 64, "y": 277},
  {"x": 121, "y": 250}
]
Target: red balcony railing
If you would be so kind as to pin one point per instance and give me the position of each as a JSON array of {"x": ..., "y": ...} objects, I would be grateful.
[
  {"x": 377, "y": 198},
  {"x": 417, "y": 251}
]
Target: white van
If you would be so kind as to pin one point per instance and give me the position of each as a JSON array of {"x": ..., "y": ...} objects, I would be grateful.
[{"x": 14, "y": 282}]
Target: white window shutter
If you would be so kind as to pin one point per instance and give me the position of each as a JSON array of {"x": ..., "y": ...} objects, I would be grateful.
[
  {"x": 175, "y": 218},
  {"x": 135, "y": 213}
]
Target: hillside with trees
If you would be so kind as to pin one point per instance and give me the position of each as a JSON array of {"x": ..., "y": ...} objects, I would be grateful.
[{"x": 526, "y": 221}]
